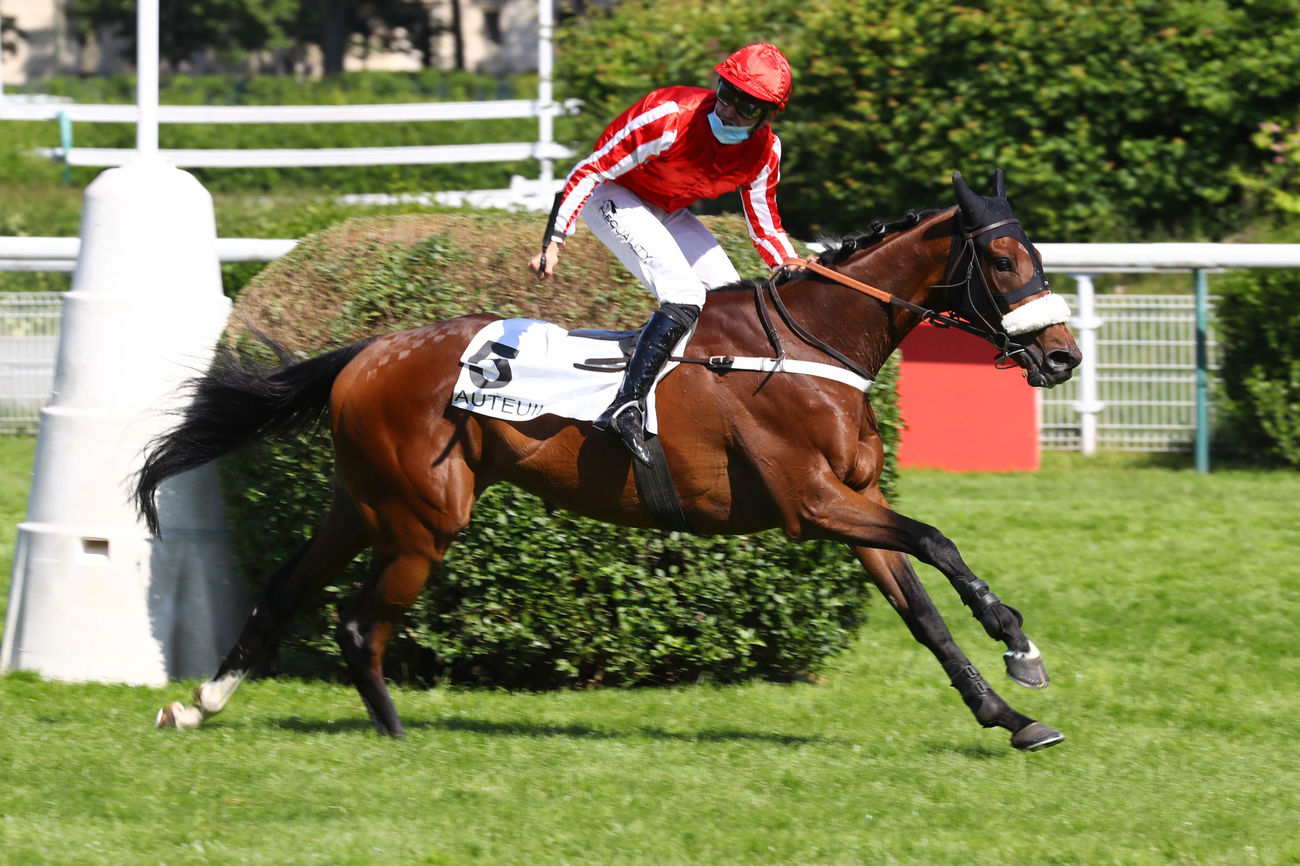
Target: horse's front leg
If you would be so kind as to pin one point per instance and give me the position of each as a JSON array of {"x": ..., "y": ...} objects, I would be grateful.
[
  {"x": 864, "y": 518},
  {"x": 1001, "y": 621},
  {"x": 882, "y": 539},
  {"x": 897, "y": 581}
]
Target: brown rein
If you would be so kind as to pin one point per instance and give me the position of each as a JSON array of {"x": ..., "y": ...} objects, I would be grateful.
[
  {"x": 1001, "y": 341},
  {"x": 858, "y": 286},
  {"x": 878, "y": 294}
]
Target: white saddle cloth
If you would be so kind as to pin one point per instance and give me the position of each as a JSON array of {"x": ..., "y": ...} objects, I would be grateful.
[{"x": 519, "y": 369}]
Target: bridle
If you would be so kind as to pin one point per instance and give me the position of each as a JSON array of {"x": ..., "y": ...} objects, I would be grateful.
[
  {"x": 964, "y": 305},
  {"x": 967, "y": 305}
]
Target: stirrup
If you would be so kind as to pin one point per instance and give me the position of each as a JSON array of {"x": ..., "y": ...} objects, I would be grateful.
[
  {"x": 628, "y": 424},
  {"x": 605, "y": 422}
]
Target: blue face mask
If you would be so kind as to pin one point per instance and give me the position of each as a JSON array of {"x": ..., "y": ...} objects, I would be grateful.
[{"x": 728, "y": 134}]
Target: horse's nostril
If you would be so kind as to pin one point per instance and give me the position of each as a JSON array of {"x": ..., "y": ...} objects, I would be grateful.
[{"x": 1063, "y": 359}]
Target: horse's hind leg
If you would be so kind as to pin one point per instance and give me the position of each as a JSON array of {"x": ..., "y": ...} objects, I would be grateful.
[
  {"x": 364, "y": 631},
  {"x": 340, "y": 537},
  {"x": 896, "y": 579}
]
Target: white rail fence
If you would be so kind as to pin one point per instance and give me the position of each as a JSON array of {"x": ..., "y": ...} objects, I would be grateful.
[
  {"x": 1145, "y": 362},
  {"x": 1143, "y": 384},
  {"x": 29, "y": 347},
  {"x": 60, "y": 254},
  {"x": 544, "y": 149},
  {"x": 522, "y": 192}
]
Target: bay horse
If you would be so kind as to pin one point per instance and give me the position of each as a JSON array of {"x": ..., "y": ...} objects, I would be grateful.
[{"x": 749, "y": 450}]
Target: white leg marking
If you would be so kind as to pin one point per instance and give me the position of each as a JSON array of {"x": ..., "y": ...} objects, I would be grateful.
[
  {"x": 211, "y": 697},
  {"x": 177, "y": 715},
  {"x": 1031, "y": 655}
]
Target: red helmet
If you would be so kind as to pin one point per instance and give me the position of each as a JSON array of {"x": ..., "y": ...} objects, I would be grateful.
[{"x": 760, "y": 70}]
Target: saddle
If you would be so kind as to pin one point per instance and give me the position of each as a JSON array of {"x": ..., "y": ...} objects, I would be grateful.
[{"x": 518, "y": 369}]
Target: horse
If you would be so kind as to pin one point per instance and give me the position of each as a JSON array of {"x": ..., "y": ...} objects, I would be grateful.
[{"x": 748, "y": 449}]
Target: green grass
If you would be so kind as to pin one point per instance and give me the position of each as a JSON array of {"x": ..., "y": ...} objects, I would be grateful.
[{"x": 1164, "y": 601}]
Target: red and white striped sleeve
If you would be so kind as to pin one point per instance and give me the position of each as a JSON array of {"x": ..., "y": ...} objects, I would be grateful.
[
  {"x": 640, "y": 133},
  {"x": 758, "y": 198}
]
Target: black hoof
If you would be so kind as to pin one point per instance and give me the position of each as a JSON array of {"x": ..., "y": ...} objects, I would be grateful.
[
  {"x": 1027, "y": 668},
  {"x": 1035, "y": 736}
]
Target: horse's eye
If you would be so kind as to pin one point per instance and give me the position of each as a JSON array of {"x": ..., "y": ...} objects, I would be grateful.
[{"x": 1002, "y": 263}]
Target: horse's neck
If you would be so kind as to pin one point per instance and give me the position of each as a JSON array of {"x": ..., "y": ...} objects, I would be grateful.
[{"x": 910, "y": 265}]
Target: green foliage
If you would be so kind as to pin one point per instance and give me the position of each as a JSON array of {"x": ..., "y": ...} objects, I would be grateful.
[
  {"x": 1113, "y": 120},
  {"x": 1276, "y": 183},
  {"x": 1259, "y": 321},
  {"x": 884, "y": 400},
  {"x": 1139, "y": 125},
  {"x": 530, "y": 597}
]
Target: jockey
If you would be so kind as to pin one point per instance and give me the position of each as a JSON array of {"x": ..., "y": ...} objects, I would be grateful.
[{"x": 674, "y": 146}]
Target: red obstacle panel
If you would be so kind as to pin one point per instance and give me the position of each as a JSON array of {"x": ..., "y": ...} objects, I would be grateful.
[{"x": 962, "y": 413}]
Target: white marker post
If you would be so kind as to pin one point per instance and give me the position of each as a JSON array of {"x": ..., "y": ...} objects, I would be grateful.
[{"x": 93, "y": 596}]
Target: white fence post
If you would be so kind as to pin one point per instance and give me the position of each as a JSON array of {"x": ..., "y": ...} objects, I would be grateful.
[
  {"x": 1086, "y": 324},
  {"x": 545, "y": 86},
  {"x": 146, "y": 95}
]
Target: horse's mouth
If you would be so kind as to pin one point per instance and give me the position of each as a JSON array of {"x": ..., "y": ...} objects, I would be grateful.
[{"x": 1050, "y": 369}]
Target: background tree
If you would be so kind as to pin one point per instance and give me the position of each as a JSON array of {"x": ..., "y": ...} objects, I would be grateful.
[
  {"x": 280, "y": 30},
  {"x": 10, "y": 35},
  {"x": 1115, "y": 120}
]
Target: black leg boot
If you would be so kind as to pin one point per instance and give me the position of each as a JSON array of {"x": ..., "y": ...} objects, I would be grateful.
[{"x": 625, "y": 417}]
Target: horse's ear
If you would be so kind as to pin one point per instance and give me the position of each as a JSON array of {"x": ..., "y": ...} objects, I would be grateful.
[
  {"x": 969, "y": 202},
  {"x": 999, "y": 184}
]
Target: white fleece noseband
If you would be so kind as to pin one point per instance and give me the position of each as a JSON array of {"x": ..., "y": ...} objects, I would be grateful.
[{"x": 1050, "y": 309}]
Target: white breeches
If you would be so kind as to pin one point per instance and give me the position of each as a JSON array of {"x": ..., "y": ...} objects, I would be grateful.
[{"x": 672, "y": 254}]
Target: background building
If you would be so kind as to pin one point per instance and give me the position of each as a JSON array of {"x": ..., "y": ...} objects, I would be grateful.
[{"x": 497, "y": 37}]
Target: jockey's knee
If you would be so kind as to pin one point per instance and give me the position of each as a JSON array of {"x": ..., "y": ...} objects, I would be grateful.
[{"x": 683, "y": 314}]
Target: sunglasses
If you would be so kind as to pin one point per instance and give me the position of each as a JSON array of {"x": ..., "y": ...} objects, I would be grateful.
[{"x": 745, "y": 106}]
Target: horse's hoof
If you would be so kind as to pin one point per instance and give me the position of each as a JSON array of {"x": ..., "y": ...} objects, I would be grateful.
[
  {"x": 1027, "y": 668},
  {"x": 1035, "y": 736},
  {"x": 177, "y": 715}
]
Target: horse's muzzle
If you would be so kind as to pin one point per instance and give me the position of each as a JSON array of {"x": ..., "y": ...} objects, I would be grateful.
[{"x": 1051, "y": 368}]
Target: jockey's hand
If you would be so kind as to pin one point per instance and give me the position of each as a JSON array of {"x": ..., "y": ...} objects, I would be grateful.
[
  {"x": 543, "y": 264},
  {"x": 776, "y": 269}
]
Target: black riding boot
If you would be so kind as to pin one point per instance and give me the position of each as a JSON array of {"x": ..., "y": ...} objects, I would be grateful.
[{"x": 625, "y": 417}]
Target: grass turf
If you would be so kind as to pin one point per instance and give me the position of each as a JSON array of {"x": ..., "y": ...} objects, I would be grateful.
[{"x": 1162, "y": 600}]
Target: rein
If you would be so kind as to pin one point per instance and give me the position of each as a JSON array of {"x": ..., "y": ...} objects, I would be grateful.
[{"x": 1000, "y": 339}]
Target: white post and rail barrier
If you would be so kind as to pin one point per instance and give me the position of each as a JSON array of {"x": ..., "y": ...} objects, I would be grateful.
[
  {"x": 1083, "y": 261},
  {"x": 545, "y": 149}
]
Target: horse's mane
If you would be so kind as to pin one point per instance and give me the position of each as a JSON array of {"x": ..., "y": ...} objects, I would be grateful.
[{"x": 836, "y": 250}]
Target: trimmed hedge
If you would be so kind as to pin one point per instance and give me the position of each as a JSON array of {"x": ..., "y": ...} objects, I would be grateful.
[{"x": 528, "y": 597}]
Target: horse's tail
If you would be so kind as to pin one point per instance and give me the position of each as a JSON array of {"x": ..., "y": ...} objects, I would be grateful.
[{"x": 239, "y": 400}]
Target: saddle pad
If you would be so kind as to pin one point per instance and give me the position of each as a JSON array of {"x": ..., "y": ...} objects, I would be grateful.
[{"x": 517, "y": 369}]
